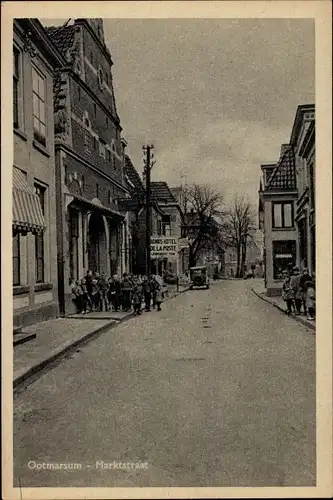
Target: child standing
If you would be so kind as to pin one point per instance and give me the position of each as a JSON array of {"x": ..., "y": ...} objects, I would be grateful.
[
  {"x": 94, "y": 294},
  {"x": 310, "y": 299},
  {"x": 158, "y": 296},
  {"x": 288, "y": 294},
  {"x": 85, "y": 296},
  {"x": 137, "y": 297},
  {"x": 78, "y": 293}
]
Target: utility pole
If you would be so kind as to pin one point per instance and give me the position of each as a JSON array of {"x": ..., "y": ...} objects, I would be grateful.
[{"x": 148, "y": 165}]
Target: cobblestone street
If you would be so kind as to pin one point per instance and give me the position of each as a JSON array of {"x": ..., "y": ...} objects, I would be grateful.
[{"x": 216, "y": 389}]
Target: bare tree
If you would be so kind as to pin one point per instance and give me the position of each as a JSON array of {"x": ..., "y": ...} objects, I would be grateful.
[
  {"x": 240, "y": 230},
  {"x": 202, "y": 211}
]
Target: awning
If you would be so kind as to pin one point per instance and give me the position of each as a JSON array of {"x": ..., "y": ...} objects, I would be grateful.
[
  {"x": 27, "y": 210},
  {"x": 98, "y": 207}
]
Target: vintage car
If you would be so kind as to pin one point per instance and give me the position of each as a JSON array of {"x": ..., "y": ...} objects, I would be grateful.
[{"x": 199, "y": 277}]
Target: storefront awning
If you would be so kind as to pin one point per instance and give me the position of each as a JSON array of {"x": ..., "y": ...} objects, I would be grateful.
[
  {"x": 92, "y": 205},
  {"x": 27, "y": 210}
]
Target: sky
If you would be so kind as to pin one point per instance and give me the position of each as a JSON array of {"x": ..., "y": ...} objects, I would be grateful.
[{"x": 216, "y": 97}]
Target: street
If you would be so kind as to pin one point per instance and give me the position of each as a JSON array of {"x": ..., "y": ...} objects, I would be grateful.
[{"x": 216, "y": 389}]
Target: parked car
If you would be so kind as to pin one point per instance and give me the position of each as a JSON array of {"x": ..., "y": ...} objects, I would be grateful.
[{"x": 199, "y": 277}]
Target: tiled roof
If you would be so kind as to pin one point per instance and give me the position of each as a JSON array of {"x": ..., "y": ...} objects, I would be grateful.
[
  {"x": 134, "y": 179},
  {"x": 284, "y": 174},
  {"x": 160, "y": 191},
  {"x": 61, "y": 36}
]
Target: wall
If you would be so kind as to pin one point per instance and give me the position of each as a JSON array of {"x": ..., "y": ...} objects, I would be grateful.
[
  {"x": 271, "y": 235},
  {"x": 38, "y": 162}
]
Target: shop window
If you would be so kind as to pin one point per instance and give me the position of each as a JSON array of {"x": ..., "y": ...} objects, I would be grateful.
[
  {"x": 16, "y": 259},
  {"x": 39, "y": 239},
  {"x": 284, "y": 257},
  {"x": 282, "y": 214},
  {"x": 16, "y": 82},
  {"x": 39, "y": 112}
]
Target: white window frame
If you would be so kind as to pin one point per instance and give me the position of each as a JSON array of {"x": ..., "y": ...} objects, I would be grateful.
[{"x": 39, "y": 101}]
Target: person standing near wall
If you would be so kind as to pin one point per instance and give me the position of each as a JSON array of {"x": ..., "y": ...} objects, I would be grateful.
[
  {"x": 147, "y": 292},
  {"x": 296, "y": 287}
]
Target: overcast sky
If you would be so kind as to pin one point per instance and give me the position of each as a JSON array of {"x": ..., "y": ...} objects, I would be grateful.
[{"x": 216, "y": 97}]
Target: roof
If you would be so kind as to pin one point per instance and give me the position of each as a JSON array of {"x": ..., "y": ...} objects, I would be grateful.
[
  {"x": 61, "y": 36},
  {"x": 284, "y": 174},
  {"x": 134, "y": 179},
  {"x": 160, "y": 191}
]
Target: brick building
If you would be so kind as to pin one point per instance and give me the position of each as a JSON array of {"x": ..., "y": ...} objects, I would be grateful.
[
  {"x": 35, "y": 59},
  {"x": 287, "y": 203},
  {"x": 91, "y": 231},
  {"x": 137, "y": 226}
]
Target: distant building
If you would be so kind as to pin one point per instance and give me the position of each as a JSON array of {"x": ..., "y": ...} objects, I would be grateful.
[
  {"x": 135, "y": 206},
  {"x": 35, "y": 284},
  {"x": 169, "y": 225},
  {"x": 90, "y": 153},
  {"x": 287, "y": 203}
]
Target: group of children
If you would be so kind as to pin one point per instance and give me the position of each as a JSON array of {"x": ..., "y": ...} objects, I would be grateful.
[
  {"x": 299, "y": 290},
  {"x": 96, "y": 292}
]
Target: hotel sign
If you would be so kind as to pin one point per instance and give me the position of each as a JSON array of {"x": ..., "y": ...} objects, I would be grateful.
[{"x": 162, "y": 247}]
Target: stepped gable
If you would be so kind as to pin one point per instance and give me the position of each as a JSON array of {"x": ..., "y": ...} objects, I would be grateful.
[
  {"x": 62, "y": 37},
  {"x": 160, "y": 191},
  {"x": 284, "y": 174}
]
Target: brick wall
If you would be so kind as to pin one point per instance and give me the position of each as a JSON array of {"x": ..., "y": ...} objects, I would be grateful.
[
  {"x": 100, "y": 127},
  {"x": 90, "y": 179},
  {"x": 98, "y": 61}
]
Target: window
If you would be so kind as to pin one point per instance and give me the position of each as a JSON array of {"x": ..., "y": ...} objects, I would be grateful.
[
  {"x": 83, "y": 182},
  {"x": 114, "y": 162},
  {"x": 95, "y": 110},
  {"x": 79, "y": 93},
  {"x": 109, "y": 155},
  {"x": 97, "y": 189},
  {"x": 283, "y": 216},
  {"x": 109, "y": 197},
  {"x": 87, "y": 141},
  {"x": 39, "y": 239},
  {"x": 95, "y": 143},
  {"x": 91, "y": 58},
  {"x": 39, "y": 114},
  {"x": 102, "y": 148},
  {"x": 16, "y": 259},
  {"x": 16, "y": 76},
  {"x": 284, "y": 257},
  {"x": 107, "y": 122}
]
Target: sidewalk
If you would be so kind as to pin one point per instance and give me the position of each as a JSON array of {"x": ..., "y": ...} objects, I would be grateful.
[
  {"x": 57, "y": 336},
  {"x": 260, "y": 291}
]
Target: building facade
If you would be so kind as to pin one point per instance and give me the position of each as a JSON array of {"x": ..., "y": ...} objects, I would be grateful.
[
  {"x": 168, "y": 224},
  {"x": 35, "y": 60},
  {"x": 303, "y": 140},
  {"x": 90, "y": 153},
  {"x": 287, "y": 203}
]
